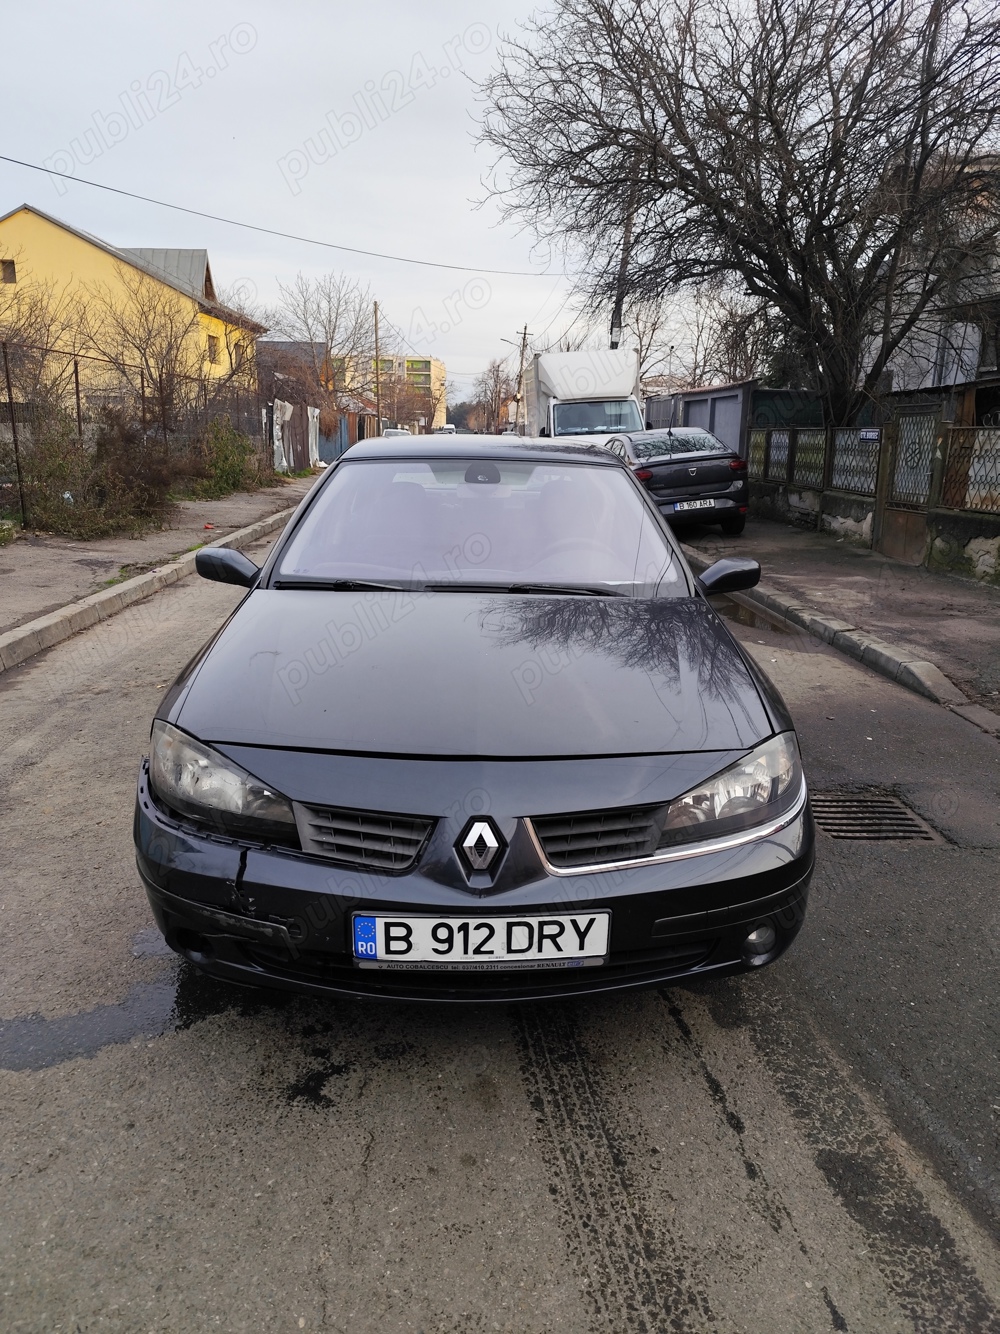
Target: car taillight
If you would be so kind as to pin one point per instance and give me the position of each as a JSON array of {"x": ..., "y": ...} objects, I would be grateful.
[
  {"x": 738, "y": 465},
  {"x": 643, "y": 474}
]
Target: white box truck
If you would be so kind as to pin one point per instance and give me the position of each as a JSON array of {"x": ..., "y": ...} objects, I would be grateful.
[{"x": 592, "y": 393}]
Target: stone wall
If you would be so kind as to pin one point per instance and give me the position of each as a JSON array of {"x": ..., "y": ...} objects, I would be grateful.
[
  {"x": 964, "y": 543},
  {"x": 832, "y": 511}
]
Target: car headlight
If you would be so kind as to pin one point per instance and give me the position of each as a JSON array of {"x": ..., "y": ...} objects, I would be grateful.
[
  {"x": 195, "y": 780},
  {"x": 761, "y": 787}
]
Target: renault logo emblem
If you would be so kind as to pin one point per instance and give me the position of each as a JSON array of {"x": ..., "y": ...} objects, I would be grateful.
[{"x": 480, "y": 844}]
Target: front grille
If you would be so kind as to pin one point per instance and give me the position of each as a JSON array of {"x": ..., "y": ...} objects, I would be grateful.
[
  {"x": 600, "y": 836},
  {"x": 370, "y": 840},
  {"x": 868, "y": 817}
]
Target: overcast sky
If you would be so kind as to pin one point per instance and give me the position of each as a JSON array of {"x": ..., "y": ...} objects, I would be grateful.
[{"x": 351, "y": 124}]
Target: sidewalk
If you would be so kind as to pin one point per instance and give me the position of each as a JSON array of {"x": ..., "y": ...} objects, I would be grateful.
[
  {"x": 955, "y": 623},
  {"x": 39, "y": 574}
]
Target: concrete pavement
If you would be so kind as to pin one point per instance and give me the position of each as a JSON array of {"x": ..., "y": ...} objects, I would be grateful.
[
  {"x": 40, "y": 572},
  {"x": 953, "y": 623}
]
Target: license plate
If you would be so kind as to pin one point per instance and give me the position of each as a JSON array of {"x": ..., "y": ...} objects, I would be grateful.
[
  {"x": 484, "y": 944},
  {"x": 695, "y": 505}
]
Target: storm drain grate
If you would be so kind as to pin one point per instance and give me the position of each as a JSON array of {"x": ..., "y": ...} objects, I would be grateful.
[{"x": 869, "y": 817}]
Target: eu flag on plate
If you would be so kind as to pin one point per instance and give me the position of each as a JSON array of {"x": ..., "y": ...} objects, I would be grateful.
[{"x": 365, "y": 946}]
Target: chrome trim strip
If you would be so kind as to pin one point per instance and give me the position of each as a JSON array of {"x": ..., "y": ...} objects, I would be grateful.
[{"x": 679, "y": 853}]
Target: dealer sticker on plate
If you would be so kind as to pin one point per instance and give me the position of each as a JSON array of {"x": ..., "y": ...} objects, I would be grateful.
[{"x": 487, "y": 944}]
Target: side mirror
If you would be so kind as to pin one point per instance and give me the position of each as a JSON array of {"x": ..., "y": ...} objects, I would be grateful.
[
  {"x": 226, "y": 566},
  {"x": 729, "y": 575}
]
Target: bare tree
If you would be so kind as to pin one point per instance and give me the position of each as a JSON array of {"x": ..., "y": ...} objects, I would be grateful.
[
  {"x": 494, "y": 390},
  {"x": 149, "y": 336},
  {"x": 41, "y": 326},
  {"x": 247, "y": 320},
  {"x": 838, "y": 159},
  {"x": 646, "y": 326},
  {"x": 731, "y": 336},
  {"x": 405, "y": 403},
  {"x": 332, "y": 320},
  {"x": 417, "y": 404}
]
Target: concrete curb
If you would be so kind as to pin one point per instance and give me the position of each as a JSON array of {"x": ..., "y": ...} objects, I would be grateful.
[
  {"x": 906, "y": 666},
  {"x": 24, "y": 641}
]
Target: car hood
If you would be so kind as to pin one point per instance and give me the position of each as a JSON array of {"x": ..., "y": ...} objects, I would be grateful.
[{"x": 471, "y": 675}]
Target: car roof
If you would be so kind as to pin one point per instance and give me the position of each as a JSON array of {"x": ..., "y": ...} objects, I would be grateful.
[{"x": 480, "y": 447}]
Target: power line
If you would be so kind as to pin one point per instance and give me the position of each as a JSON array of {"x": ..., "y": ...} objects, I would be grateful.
[
  {"x": 270, "y": 231},
  {"x": 551, "y": 322},
  {"x": 401, "y": 336}
]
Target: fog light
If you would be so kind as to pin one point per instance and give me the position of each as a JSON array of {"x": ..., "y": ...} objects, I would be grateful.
[
  {"x": 759, "y": 943},
  {"x": 193, "y": 946}
]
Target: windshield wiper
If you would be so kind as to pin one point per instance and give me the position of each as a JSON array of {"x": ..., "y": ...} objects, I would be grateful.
[
  {"x": 579, "y": 590},
  {"x": 338, "y": 585},
  {"x": 582, "y": 590}
]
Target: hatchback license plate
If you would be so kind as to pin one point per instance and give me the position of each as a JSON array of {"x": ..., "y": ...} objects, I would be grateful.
[
  {"x": 485, "y": 944},
  {"x": 695, "y": 505}
]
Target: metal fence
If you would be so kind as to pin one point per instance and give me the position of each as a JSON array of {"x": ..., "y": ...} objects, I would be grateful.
[
  {"x": 45, "y": 389},
  {"x": 67, "y": 419},
  {"x": 811, "y": 456},
  {"x": 847, "y": 459},
  {"x": 972, "y": 469},
  {"x": 912, "y": 471},
  {"x": 855, "y": 461}
]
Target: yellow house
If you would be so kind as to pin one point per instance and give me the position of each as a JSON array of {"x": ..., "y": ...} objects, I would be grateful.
[{"x": 104, "y": 286}]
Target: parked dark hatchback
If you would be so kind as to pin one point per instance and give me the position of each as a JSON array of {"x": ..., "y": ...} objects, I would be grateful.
[
  {"x": 475, "y": 732},
  {"x": 691, "y": 474}
]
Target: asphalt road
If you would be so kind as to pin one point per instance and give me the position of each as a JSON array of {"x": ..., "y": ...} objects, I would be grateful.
[{"x": 810, "y": 1148}]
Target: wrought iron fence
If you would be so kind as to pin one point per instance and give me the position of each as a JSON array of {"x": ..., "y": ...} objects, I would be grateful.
[
  {"x": 847, "y": 459},
  {"x": 972, "y": 469},
  {"x": 810, "y": 457},
  {"x": 911, "y": 476},
  {"x": 777, "y": 455},
  {"x": 855, "y": 460},
  {"x": 803, "y": 455},
  {"x": 756, "y": 453}
]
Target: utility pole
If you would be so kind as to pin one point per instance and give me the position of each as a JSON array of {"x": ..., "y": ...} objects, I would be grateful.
[
  {"x": 13, "y": 431},
  {"x": 519, "y": 395},
  {"x": 79, "y": 410},
  {"x": 378, "y": 382},
  {"x": 520, "y": 379}
]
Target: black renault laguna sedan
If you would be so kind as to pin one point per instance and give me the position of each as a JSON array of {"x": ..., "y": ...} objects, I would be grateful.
[{"x": 475, "y": 732}]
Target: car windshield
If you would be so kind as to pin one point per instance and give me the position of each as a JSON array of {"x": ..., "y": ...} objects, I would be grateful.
[
  {"x": 659, "y": 444},
  {"x": 610, "y": 414},
  {"x": 513, "y": 525}
]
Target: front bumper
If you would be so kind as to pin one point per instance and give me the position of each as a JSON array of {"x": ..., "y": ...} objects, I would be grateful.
[{"x": 274, "y": 917}]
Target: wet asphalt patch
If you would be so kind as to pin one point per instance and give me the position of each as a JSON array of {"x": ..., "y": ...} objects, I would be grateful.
[
  {"x": 178, "y": 998},
  {"x": 741, "y": 614}
]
